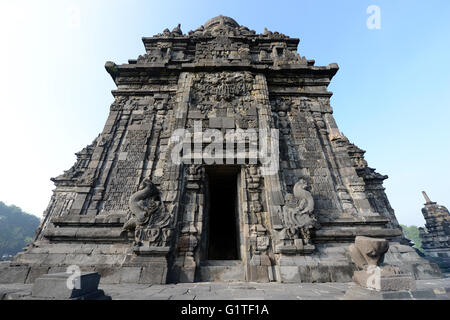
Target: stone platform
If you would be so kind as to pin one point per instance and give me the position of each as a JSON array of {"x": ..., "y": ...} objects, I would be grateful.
[{"x": 438, "y": 289}]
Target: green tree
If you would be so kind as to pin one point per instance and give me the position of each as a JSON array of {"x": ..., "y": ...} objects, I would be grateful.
[
  {"x": 412, "y": 233},
  {"x": 16, "y": 229}
]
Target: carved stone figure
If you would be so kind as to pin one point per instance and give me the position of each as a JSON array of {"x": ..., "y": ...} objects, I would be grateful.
[
  {"x": 177, "y": 30},
  {"x": 194, "y": 176},
  {"x": 298, "y": 213},
  {"x": 142, "y": 204},
  {"x": 368, "y": 254},
  {"x": 148, "y": 218},
  {"x": 194, "y": 171},
  {"x": 306, "y": 204},
  {"x": 367, "y": 251}
]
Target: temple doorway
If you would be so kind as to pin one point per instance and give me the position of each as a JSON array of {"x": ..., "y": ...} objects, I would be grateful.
[{"x": 223, "y": 214}]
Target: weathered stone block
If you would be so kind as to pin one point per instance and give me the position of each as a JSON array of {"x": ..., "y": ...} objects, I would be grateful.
[
  {"x": 228, "y": 123},
  {"x": 57, "y": 270},
  {"x": 36, "y": 272},
  {"x": 251, "y": 111},
  {"x": 384, "y": 279},
  {"x": 109, "y": 274},
  {"x": 341, "y": 273},
  {"x": 400, "y": 295},
  {"x": 154, "y": 274},
  {"x": 320, "y": 274},
  {"x": 222, "y": 273},
  {"x": 16, "y": 274},
  {"x": 425, "y": 271},
  {"x": 215, "y": 123},
  {"x": 186, "y": 274},
  {"x": 31, "y": 258},
  {"x": 289, "y": 274},
  {"x": 130, "y": 274},
  {"x": 305, "y": 274},
  {"x": 424, "y": 295},
  {"x": 258, "y": 273},
  {"x": 54, "y": 259}
]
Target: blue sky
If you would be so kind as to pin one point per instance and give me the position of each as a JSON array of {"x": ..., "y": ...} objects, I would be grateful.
[{"x": 391, "y": 94}]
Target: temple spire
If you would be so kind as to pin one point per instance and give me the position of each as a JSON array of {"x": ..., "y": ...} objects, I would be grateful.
[{"x": 427, "y": 199}]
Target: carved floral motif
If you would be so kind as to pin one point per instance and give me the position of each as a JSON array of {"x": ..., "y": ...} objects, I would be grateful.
[{"x": 224, "y": 85}]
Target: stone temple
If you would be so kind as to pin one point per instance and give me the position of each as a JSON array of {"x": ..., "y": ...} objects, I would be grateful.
[
  {"x": 133, "y": 211},
  {"x": 436, "y": 234}
]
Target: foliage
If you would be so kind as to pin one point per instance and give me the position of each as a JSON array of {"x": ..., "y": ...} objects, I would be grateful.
[
  {"x": 412, "y": 233},
  {"x": 16, "y": 229}
]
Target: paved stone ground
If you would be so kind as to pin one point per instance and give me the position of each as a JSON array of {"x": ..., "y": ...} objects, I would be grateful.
[{"x": 237, "y": 291}]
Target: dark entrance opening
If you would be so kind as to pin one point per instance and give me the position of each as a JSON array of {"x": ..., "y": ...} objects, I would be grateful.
[{"x": 223, "y": 213}]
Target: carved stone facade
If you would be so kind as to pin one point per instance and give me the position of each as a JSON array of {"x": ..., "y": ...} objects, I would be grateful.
[
  {"x": 368, "y": 254},
  {"x": 129, "y": 211},
  {"x": 436, "y": 234}
]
